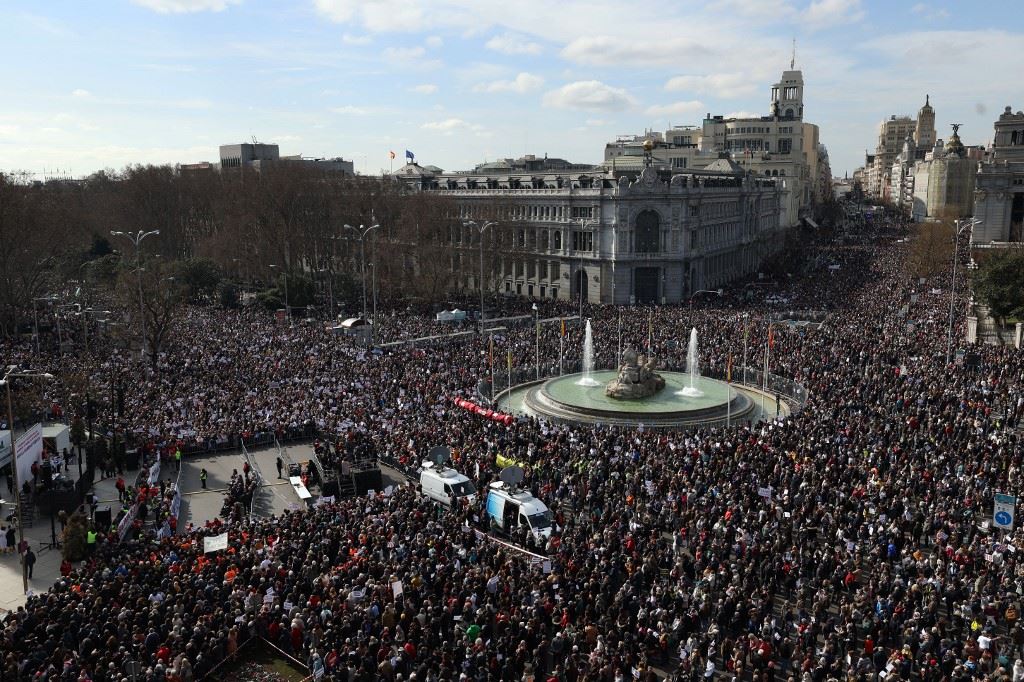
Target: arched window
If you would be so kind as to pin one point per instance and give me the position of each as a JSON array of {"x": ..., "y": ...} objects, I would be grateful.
[{"x": 648, "y": 232}]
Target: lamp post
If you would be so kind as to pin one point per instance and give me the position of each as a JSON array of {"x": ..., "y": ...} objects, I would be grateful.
[
  {"x": 746, "y": 322},
  {"x": 702, "y": 291},
  {"x": 136, "y": 239},
  {"x": 361, "y": 233},
  {"x": 961, "y": 226},
  {"x": 536, "y": 346},
  {"x": 584, "y": 224},
  {"x": 287, "y": 307},
  {"x": 13, "y": 373},
  {"x": 480, "y": 230}
]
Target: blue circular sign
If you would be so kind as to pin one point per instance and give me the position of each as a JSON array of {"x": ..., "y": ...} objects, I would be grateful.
[{"x": 1003, "y": 518}]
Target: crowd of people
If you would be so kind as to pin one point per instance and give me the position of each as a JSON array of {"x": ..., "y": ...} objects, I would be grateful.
[{"x": 851, "y": 540}]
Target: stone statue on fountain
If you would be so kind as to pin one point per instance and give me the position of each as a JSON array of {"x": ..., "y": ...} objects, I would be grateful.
[{"x": 637, "y": 378}]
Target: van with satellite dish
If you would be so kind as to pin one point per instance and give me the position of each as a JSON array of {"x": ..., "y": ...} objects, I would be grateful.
[
  {"x": 443, "y": 484},
  {"x": 509, "y": 507}
]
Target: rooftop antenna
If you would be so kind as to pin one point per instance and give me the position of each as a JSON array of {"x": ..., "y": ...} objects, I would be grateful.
[
  {"x": 792, "y": 59},
  {"x": 512, "y": 476},
  {"x": 439, "y": 455},
  {"x": 254, "y": 140}
]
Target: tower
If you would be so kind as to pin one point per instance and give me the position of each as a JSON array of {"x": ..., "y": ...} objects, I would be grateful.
[
  {"x": 788, "y": 95},
  {"x": 924, "y": 133}
]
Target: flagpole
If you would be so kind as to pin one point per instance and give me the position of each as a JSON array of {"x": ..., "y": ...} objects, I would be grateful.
[
  {"x": 728, "y": 392},
  {"x": 491, "y": 356},
  {"x": 650, "y": 333}
]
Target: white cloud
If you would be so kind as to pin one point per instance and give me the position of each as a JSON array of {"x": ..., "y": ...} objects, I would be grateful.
[
  {"x": 826, "y": 13},
  {"x": 725, "y": 85},
  {"x": 523, "y": 83},
  {"x": 929, "y": 12},
  {"x": 424, "y": 89},
  {"x": 590, "y": 96},
  {"x": 450, "y": 126},
  {"x": 513, "y": 44},
  {"x": 434, "y": 42},
  {"x": 616, "y": 51},
  {"x": 676, "y": 108},
  {"x": 349, "y": 110},
  {"x": 79, "y": 92},
  {"x": 350, "y": 39},
  {"x": 185, "y": 6}
]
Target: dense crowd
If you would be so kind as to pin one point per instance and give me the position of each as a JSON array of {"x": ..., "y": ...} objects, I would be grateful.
[{"x": 849, "y": 541}]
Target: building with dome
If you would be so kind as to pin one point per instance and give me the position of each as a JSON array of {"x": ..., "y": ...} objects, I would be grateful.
[
  {"x": 999, "y": 186},
  {"x": 943, "y": 183}
]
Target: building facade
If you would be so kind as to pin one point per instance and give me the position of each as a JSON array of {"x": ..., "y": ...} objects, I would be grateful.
[
  {"x": 943, "y": 183},
  {"x": 892, "y": 135},
  {"x": 999, "y": 185},
  {"x": 567, "y": 231},
  {"x": 780, "y": 145}
]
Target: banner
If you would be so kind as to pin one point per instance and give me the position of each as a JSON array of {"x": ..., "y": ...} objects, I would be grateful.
[
  {"x": 214, "y": 543},
  {"x": 1003, "y": 511},
  {"x": 29, "y": 449}
]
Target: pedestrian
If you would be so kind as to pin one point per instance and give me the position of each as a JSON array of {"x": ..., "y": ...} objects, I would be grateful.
[
  {"x": 177, "y": 459},
  {"x": 30, "y": 561},
  {"x": 280, "y": 466},
  {"x": 119, "y": 484},
  {"x": 202, "y": 478}
]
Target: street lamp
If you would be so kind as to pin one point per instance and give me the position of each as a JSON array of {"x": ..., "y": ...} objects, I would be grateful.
[
  {"x": 136, "y": 239},
  {"x": 536, "y": 348},
  {"x": 287, "y": 308},
  {"x": 13, "y": 373},
  {"x": 961, "y": 226},
  {"x": 481, "y": 229},
  {"x": 719, "y": 292},
  {"x": 361, "y": 233},
  {"x": 330, "y": 289},
  {"x": 584, "y": 224}
]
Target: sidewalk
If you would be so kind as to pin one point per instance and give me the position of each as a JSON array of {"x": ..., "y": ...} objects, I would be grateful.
[{"x": 39, "y": 537}]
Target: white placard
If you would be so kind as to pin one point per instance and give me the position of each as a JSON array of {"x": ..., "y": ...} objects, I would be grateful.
[
  {"x": 765, "y": 492},
  {"x": 30, "y": 449},
  {"x": 214, "y": 543},
  {"x": 396, "y": 588}
]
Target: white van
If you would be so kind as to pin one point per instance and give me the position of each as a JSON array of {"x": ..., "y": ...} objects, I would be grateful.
[
  {"x": 445, "y": 485},
  {"x": 510, "y": 509}
]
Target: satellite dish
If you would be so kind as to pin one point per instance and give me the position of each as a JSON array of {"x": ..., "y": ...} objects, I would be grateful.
[
  {"x": 440, "y": 455},
  {"x": 511, "y": 476}
]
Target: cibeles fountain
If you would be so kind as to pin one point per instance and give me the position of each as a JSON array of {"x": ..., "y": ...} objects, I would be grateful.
[{"x": 638, "y": 392}]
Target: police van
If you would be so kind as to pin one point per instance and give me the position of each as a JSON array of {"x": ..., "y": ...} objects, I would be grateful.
[{"x": 510, "y": 508}]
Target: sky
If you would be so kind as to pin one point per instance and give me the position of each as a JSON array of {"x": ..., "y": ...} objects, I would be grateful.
[{"x": 99, "y": 85}]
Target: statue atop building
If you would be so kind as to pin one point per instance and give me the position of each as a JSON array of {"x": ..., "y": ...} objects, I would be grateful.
[{"x": 637, "y": 378}]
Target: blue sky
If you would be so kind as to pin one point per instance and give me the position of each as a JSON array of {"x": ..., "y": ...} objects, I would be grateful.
[{"x": 91, "y": 85}]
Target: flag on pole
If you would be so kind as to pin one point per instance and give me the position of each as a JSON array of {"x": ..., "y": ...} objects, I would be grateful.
[
  {"x": 409, "y": 155},
  {"x": 510, "y": 362},
  {"x": 563, "y": 326},
  {"x": 491, "y": 353},
  {"x": 728, "y": 370},
  {"x": 771, "y": 337},
  {"x": 391, "y": 153}
]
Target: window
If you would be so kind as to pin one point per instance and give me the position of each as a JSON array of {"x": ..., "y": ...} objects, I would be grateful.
[
  {"x": 557, "y": 240},
  {"x": 648, "y": 232},
  {"x": 582, "y": 212},
  {"x": 679, "y": 163},
  {"x": 785, "y": 146},
  {"x": 582, "y": 241},
  {"x": 554, "y": 271}
]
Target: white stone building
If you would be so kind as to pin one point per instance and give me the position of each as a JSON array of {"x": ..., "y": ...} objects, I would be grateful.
[{"x": 999, "y": 185}]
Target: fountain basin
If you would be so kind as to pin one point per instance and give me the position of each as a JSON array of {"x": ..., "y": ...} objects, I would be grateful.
[{"x": 564, "y": 399}]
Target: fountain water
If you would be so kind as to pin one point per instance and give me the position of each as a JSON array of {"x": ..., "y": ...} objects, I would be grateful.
[
  {"x": 588, "y": 360},
  {"x": 692, "y": 368}
]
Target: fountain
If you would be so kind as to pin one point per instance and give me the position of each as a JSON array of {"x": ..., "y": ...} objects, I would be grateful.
[
  {"x": 588, "y": 360},
  {"x": 692, "y": 368}
]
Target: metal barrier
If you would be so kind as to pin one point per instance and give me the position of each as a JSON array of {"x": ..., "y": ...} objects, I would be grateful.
[{"x": 256, "y": 473}]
